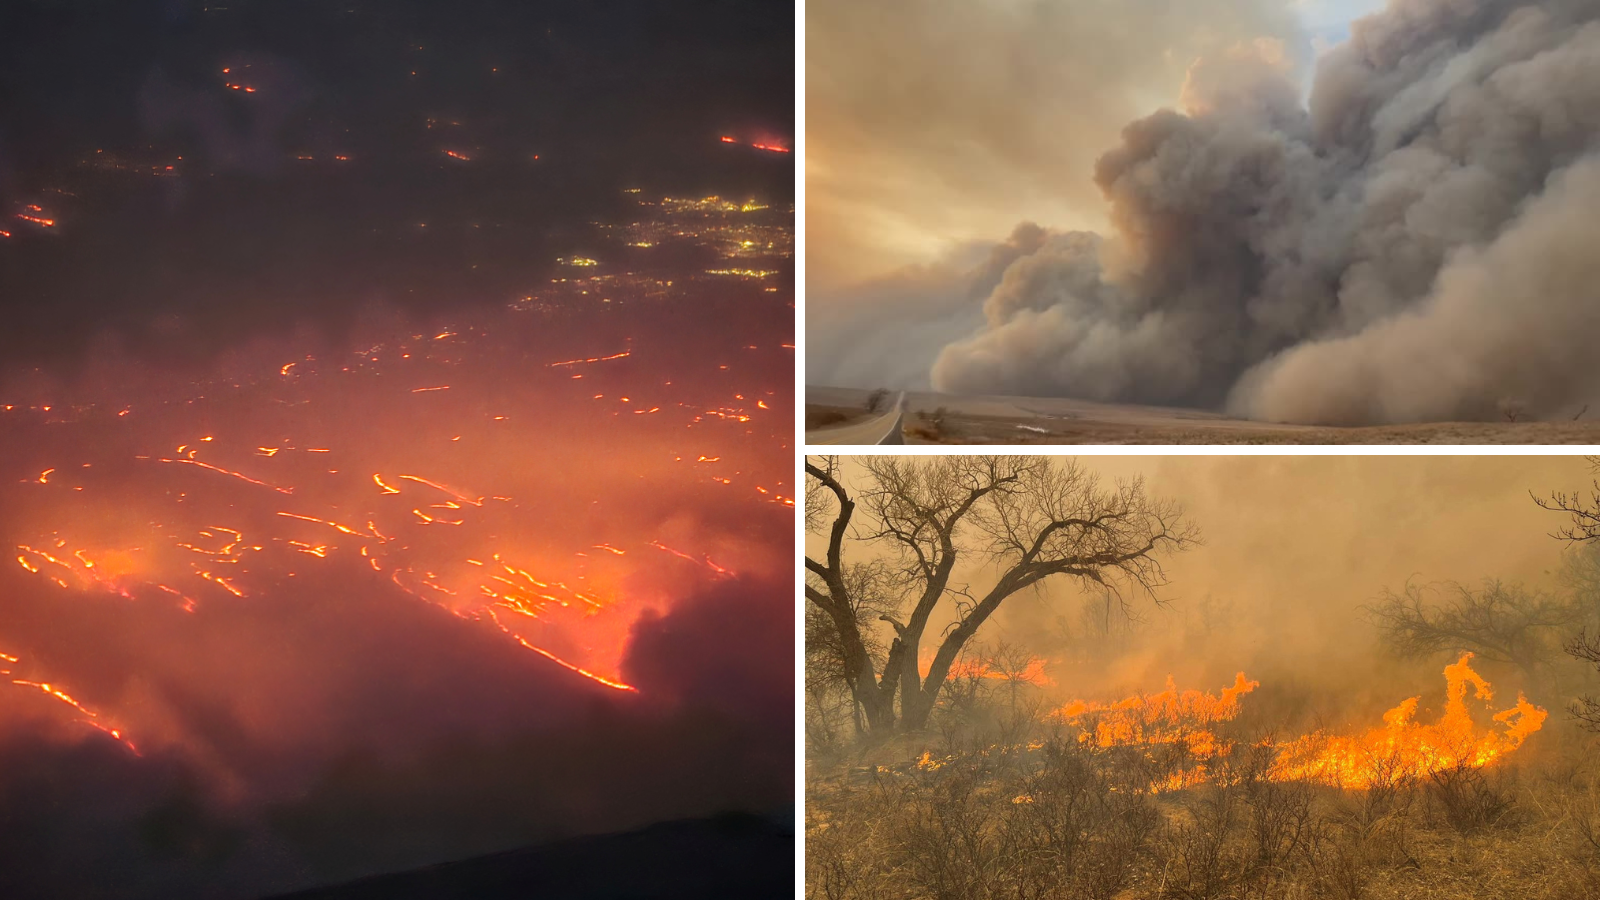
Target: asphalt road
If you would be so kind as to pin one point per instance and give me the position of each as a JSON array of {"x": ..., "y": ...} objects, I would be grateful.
[{"x": 888, "y": 428}]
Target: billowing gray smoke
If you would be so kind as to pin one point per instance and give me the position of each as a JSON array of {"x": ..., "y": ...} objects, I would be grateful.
[
  {"x": 923, "y": 309},
  {"x": 1415, "y": 243}
]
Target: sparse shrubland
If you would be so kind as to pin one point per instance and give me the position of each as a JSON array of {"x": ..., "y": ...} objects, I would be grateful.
[{"x": 979, "y": 807}]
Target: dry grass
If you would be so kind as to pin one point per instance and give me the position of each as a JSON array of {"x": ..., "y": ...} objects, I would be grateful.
[
  {"x": 983, "y": 420},
  {"x": 1051, "y": 820},
  {"x": 831, "y": 416},
  {"x": 975, "y": 429}
]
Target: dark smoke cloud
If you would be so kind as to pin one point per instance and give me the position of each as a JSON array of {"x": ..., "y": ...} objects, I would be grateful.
[
  {"x": 1410, "y": 244},
  {"x": 242, "y": 237},
  {"x": 712, "y": 649},
  {"x": 253, "y": 140}
]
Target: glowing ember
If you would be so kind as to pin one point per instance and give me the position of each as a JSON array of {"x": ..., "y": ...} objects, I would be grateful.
[{"x": 238, "y": 475}]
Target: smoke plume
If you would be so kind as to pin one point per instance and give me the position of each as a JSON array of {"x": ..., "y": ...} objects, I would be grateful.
[
  {"x": 923, "y": 308},
  {"x": 1407, "y": 244}
]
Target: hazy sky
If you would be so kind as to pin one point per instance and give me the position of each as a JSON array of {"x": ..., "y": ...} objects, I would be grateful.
[{"x": 935, "y": 126}]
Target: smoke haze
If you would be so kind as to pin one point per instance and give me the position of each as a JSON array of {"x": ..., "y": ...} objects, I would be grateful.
[
  {"x": 1406, "y": 243},
  {"x": 1278, "y": 591}
]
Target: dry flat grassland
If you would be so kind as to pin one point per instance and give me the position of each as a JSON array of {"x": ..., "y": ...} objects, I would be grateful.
[{"x": 946, "y": 419}]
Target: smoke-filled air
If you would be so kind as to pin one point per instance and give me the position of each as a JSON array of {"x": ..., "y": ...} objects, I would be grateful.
[
  {"x": 1396, "y": 228},
  {"x": 1351, "y": 677}
]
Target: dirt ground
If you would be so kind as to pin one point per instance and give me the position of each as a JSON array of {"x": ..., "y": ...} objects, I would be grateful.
[{"x": 946, "y": 419}]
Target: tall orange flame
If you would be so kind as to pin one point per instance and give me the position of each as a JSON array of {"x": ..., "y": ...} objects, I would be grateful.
[
  {"x": 1401, "y": 749},
  {"x": 1404, "y": 748}
]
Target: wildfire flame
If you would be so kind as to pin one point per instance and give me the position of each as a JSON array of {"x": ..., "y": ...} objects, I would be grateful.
[
  {"x": 278, "y": 488},
  {"x": 1168, "y": 717},
  {"x": 759, "y": 145},
  {"x": 86, "y": 715},
  {"x": 1401, "y": 749},
  {"x": 1404, "y": 748},
  {"x": 1032, "y": 673}
]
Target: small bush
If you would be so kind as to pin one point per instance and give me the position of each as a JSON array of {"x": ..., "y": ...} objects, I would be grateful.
[
  {"x": 1470, "y": 799},
  {"x": 1200, "y": 859}
]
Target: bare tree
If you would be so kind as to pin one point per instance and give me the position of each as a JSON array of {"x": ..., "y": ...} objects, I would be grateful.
[
  {"x": 1583, "y": 527},
  {"x": 1586, "y": 648},
  {"x": 870, "y": 587},
  {"x": 1026, "y": 518},
  {"x": 1500, "y": 622},
  {"x": 1582, "y": 509}
]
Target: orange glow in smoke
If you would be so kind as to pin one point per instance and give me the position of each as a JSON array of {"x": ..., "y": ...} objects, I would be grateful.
[
  {"x": 150, "y": 540},
  {"x": 1032, "y": 673},
  {"x": 90, "y": 717}
]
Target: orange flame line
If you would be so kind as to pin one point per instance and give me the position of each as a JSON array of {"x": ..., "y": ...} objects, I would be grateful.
[
  {"x": 592, "y": 359},
  {"x": 581, "y": 671},
  {"x": 242, "y": 477}
]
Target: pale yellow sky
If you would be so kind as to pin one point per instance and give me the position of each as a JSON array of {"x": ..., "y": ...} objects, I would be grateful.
[
  {"x": 1295, "y": 546},
  {"x": 934, "y": 123}
]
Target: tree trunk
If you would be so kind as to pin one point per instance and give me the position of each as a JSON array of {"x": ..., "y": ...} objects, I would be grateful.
[
  {"x": 915, "y": 709},
  {"x": 879, "y": 709}
]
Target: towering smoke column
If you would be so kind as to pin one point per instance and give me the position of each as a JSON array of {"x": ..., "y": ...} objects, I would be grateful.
[{"x": 1415, "y": 243}]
